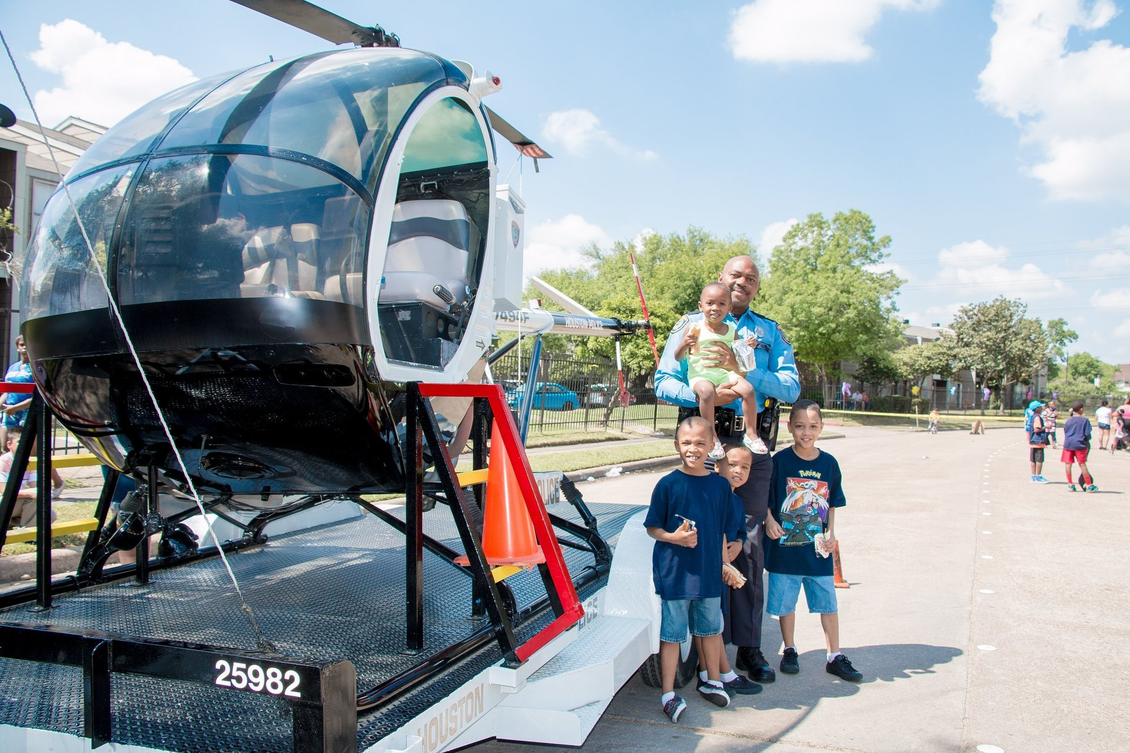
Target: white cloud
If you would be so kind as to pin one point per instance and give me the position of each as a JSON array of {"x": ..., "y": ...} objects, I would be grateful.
[
  {"x": 977, "y": 269},
  {"x": 810, "y": 31},
  {"x": 1111, "y": 250},
  {"x": 641, "y": 238},
  {"x": 1073, "y": 105},
  {"x": 772, "y": 236},
  {"x": 972, "y": 254},
  {"x": 102, "y": 81},
  {"x": 557, "y": 244},
  {"x": 903, "y": 273},
  {"x": 578, "y": 130},
  {"x": 1122, "y": 330},
  {"x": 1115, "y": 300}
]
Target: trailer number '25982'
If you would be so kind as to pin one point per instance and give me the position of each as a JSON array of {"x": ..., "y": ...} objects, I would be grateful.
[{"x": 258, "y": 679}]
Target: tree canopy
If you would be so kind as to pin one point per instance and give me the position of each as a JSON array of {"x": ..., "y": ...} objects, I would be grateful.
[
  {"x": 826, "y": 291},
  {"x": 673, "y": 268},
  {"x": 918, "y": 362},
  {"x": 998, "y": 342}
]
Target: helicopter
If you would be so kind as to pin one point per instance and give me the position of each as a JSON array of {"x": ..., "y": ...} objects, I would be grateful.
[{"x": 287, "y": 247}]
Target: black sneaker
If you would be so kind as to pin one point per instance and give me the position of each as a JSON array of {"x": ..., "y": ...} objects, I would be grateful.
[
  {"x": 752, "y": 661},
  {"x": 841, "y": 668},
  {"x": 674, "y": 709},
  {"x": 741, "y": 686},
  {"x": 713, "y": 693},
  {"x": 790, "y": 662}
]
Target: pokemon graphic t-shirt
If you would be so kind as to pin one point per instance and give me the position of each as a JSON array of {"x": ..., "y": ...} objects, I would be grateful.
[{"x": 800, "y": 494}]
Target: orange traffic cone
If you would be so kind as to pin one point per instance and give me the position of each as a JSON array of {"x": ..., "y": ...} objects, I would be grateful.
[
  {"x": 838, "y": 568},
  {"x": 508, "y": 532}
]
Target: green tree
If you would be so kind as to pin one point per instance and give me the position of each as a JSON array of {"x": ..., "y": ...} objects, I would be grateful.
[
  {"x": 1059, "y": 337},
  {"x": 918, "y": 362},
  {"x": 825, "y": 291},
  {"x": 879, "y": 368},
  {"x": 1086, "y": 367},
  {"x": 673, "y": 268},
  {"x": 998, "y": 342}
]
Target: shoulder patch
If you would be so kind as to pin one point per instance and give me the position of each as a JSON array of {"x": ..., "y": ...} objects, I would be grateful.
[
  {"x": 681, "y": 323},
  {"x": 780, "y": 331}
]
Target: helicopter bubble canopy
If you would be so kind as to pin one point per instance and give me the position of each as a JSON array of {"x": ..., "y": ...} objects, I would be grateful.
[{"x": 338, "y": 200}]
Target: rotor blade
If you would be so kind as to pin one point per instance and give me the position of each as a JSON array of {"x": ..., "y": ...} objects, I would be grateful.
[
  {"x": 515, "y": 137},
  {"x": 320, "y": 22},
  {"x": 560, "y": 298}
]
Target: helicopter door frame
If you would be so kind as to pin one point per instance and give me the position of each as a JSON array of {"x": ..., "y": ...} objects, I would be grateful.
[{"x": 480, "y": 325}]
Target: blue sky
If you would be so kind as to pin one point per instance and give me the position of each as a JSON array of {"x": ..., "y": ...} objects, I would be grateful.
[{"x": 990, "y": 141}]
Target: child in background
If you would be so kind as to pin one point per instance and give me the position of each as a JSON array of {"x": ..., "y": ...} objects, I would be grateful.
[
  {"x": 804, "y": 493},
  {"x": 1076, "y": 445},
  {"x": 692, "y": 515},
  {"x": 934, "y": 418},
  {"x": 25, "y": 512},
  {"x": 705, "y": 381},
  {"x": 1051, "y": 415},
  {"x": 734, "y": 467}
]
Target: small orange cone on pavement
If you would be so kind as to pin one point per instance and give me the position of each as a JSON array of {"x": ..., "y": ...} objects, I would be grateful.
[
  {"x": 838, "y": 567},
  {"x": 508, "y": 532}
]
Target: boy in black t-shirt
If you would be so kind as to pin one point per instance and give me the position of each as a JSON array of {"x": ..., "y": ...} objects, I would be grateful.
[
  {"x": 692, "y": 514},
  {"x": 804, "y": 493}
]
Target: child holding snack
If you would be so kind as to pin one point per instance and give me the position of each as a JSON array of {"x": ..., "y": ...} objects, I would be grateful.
[{"x": 707, "y": 381}]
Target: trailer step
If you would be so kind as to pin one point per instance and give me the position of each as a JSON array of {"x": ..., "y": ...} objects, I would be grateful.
[{"x": 561, "y": 702}]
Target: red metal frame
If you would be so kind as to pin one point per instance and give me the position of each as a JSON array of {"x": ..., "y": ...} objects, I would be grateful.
[
  {"x": 572, "y": 611},
  {"x": 24, "y": 388}
]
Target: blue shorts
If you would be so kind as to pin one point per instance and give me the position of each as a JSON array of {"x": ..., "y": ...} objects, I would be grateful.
[
  {"x": 704, "y": 616},
  {"x": 819, "y": 590}
]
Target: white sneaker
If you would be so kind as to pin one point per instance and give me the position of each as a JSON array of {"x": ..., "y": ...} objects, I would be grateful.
[
  {"x": 756, "y": 445},
  {"x": 718, "y": 452},
  {"x": 57, "y": 491}
]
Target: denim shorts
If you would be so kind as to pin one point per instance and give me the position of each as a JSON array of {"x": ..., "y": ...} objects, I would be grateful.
[
  {"x": 819, "y": 590},
  {"x": 704, "y": 615}
]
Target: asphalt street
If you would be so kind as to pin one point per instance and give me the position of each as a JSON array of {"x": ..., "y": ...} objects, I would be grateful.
[{"x": 987, "y": 613}]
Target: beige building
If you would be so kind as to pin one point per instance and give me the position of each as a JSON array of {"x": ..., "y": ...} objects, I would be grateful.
[{"x": 28, "y": 176}]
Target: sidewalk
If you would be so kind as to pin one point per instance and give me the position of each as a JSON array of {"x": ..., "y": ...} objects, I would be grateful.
[{"x": 975, "y": 615}]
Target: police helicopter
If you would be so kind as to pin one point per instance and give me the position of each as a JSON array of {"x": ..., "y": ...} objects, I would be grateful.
[{"x": 287, "y": 246}]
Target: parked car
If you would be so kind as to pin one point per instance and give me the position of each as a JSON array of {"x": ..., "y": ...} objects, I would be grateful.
[
  {"x": 549, "y": 395},
  {"x": 599, "y": 395}
]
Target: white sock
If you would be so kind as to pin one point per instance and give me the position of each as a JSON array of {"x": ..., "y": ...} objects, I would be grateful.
[
  {"x": 729, "y": 676},
  {"x": 786, "y": 648},
  {"x": 666, "y": 697},
  {"x": 702, "y": 676},
  {"x": 833, "y": 656},
  {"x": 715, "y": 683}
]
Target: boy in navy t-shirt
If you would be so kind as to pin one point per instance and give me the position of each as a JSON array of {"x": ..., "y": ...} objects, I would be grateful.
[
  {"x": 804, "y": 493},
  {"x": 692, "y": 515},
  {"x": 1076, "y": 445}
]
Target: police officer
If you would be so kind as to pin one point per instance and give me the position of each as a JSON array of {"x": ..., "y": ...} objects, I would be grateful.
[{"x": 776, "y": 377}]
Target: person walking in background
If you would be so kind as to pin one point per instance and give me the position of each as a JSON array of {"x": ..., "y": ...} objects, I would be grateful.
[
  {"x": 16, "y": 405},
  {"x": 1076, "y": 446},
  {"x": 1102, "y": 418},
  {"x": 1050, "y": 416},
  {"x": 845, "y": 394},
  {"x": 1037, "y": 440},
  {"x": 934, "y": 418}
]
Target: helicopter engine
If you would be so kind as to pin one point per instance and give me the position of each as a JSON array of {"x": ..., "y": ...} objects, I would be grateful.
[{"x": 286, "y": 246}]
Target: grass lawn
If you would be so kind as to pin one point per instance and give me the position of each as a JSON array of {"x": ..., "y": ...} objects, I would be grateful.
[
  {"x": 575, "y": 460},
  {"x": 73, "y": 511}
]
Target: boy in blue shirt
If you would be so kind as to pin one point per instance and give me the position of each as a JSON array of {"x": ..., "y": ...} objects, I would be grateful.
[
  {"x": 804, "y": 493},
  {"x": 1076, "y": 445},
  {"x": 692, "y": 515}
]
